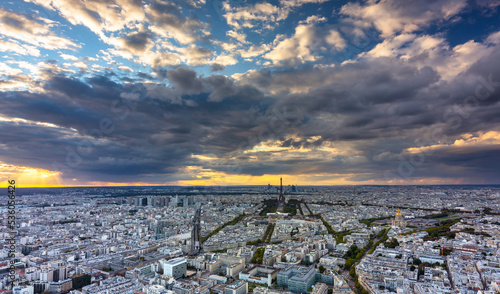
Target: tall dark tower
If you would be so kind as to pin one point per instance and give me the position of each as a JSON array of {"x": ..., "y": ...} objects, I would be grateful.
[
  {"x": 281, "y": 188},
  {"x": 281, "y": 198},
  {"x": 196, "y": 246}
]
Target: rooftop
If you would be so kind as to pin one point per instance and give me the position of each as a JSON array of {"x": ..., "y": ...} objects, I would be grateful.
[
  {"x": 176, "y": 261},
  {"x": 299, "y": 273}
]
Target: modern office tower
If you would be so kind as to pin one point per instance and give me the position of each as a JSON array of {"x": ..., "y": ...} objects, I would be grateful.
[
  {"x": 176, "y": 267},
  {"x": 141, "y": 201},
  {"x": 196, "y": 246},
  {"x": 297, "y": 278},
  {"x": 162, "y": 201},
  {"x": 239, "y": 287},
  {"x": 161, "y": 229},
  {"x": 174, "y": 201}
]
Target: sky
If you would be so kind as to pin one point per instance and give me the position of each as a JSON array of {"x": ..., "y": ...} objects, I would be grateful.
[{"x": 200, "y": 92}]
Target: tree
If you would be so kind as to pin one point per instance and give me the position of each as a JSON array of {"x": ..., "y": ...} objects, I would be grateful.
[
  {"x": 321, "y": 269},
  {"x": 81, "y": 281},
  {"x": 349, "y": 263},
  {"x": 258, "y": 255},
  {"x": 357, "y": 285},
  {"x": 392, "y": 244},
  {"x": 352, "y": 272}
]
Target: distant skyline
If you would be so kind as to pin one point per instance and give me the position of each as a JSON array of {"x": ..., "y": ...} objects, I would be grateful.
[{"x": 196, "y": 92}]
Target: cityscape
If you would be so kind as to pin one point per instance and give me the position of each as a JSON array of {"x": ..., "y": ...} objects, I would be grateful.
[
  {"x": 256, "y": 239},
  {"x": 250, "y": 147}
]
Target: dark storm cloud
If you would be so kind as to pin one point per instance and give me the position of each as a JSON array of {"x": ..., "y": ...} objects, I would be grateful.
[
  {"x": 146, "y": 136},
  {"x": 378, "y": 108},
  {"x": 216, "y": 67},
  {"x": 222, "y": 87},
  {"x": 361, "y": 86},
  {"x": 469, "y": 164},
  {"x": 385, "y": 107},
  {"x": 138, "y": 41},
  {"x": 185, "y": 79}
]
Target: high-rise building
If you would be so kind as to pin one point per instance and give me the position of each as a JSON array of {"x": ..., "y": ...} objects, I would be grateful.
[
  {"x": 297, "y": 278},
  {"x": 176, "y": 267}
]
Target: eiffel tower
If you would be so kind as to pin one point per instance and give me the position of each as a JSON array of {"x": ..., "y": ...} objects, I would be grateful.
[{"x": 281, "y": 197}]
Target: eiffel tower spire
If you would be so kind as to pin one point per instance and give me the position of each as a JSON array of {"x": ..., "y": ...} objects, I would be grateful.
[{"x": 281, "y": 198}]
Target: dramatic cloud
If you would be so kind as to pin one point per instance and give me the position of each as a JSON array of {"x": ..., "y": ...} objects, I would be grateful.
[
  {"x": 395, "y": 16},
  {"x": 14, "y": 47},
  {"x": 248, "y": 16},
  {"x": 167, "y": 21},
  {"x": 261, "y": 15},
  {"x": 301, "y": 46},
  {"x": 97, "y": 15},
  {"x": 369, "y": 92},
  {"x": 31, "y": 30}
]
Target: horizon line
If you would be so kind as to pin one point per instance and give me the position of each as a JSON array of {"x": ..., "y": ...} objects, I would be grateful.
[{"x": 187, "y": 186}]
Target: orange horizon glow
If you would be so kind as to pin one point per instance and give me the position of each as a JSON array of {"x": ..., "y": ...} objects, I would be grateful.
[
  {"x": 274, "y": 182},
  {"x": 27, "y": 177}
]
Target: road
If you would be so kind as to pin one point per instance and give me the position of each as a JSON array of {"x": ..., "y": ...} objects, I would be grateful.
[{"x": 345, "y": 273}]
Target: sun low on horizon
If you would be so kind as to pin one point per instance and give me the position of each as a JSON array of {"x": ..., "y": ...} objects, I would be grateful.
[{"x": 233, "y": 93}]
